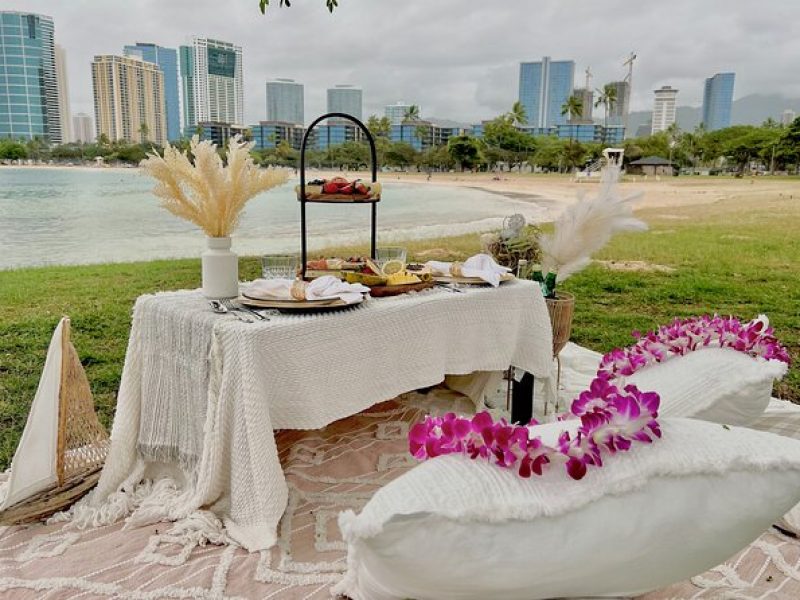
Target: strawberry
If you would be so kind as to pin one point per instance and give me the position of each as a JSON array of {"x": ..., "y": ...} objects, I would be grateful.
[{"x": 330, "y": 188}]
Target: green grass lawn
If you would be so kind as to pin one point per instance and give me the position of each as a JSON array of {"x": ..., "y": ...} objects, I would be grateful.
[{"x": 740, "y": 257}]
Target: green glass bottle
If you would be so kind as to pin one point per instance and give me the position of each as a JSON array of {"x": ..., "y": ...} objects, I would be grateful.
[
  {"x": 549, "y": 287},
  {"x": 536, "y": 273}
]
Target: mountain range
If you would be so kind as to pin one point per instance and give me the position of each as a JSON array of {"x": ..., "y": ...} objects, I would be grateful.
[{"x": 747, "y": 110}]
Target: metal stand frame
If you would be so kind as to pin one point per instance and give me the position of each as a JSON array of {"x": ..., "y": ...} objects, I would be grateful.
[{"x": 304, "y": 199}]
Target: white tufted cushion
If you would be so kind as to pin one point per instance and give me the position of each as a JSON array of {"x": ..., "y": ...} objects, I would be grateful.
[
  {"x": 714, "y": 384},
  {"x": 453, "y": 528}
]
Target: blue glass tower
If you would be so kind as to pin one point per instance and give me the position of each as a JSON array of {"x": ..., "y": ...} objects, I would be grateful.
[
  {"x": 285, "y": 101},
  {"x": 544, "y": 87},
  {"x": 717, "y": 101},
  {"x": 167, "y": 60},
  {"x": 28, "y": 82}
]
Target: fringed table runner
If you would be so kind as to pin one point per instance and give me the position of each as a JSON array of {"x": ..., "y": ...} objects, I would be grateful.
[{"x": 201, "y": 394}]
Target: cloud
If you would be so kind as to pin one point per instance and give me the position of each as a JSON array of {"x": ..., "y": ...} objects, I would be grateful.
[{"x": 458, "y": 59}]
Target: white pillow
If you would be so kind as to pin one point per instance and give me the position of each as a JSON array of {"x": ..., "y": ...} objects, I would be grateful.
[
  {"x": 714, "y": 384},
  {"x": 457, "y": 528}
]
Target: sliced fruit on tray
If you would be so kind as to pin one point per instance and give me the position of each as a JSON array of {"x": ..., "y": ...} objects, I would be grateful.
[
  {"x": 402, "y": 278},
  {"x": 392, "y": 267},
  {"x": 368, "y": 279}
]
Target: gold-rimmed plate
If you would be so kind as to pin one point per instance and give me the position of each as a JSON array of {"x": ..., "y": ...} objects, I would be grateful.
[
  {"x": 327, "y": 304},
  {"x": 472, "y": 280}
]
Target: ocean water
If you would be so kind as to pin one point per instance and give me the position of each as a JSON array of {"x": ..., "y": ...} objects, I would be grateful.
[{"x": 72, "y": 216}]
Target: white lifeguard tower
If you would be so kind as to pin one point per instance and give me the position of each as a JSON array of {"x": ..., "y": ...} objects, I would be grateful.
[{"x": 614, "y": 156}]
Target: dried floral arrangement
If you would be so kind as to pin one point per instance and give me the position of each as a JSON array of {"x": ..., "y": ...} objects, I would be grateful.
[
  {"x": 585, "y": 227},
  {"x": 581, "y": 229},
  {"x": 207, "y": 192},
  {"x": 509, "y": 251}
]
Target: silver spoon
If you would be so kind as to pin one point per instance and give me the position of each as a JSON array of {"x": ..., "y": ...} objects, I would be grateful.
[{"x": 218, "y": 308}]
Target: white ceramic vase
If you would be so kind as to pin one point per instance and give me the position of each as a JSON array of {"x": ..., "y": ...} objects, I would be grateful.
[{"x": 220, "y": 269}]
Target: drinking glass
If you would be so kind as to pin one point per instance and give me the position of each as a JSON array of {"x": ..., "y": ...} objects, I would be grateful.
[
  {"x": 386, "y": 253},
  {"x": 279, "y": 266}
]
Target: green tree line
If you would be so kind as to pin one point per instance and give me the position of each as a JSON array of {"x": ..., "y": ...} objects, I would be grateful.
[{"x": 768, "y": 147}]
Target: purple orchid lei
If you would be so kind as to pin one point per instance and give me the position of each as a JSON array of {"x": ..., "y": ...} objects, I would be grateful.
[
  {"x": 611, "y": 417},
  {"x": 755, "y": 338}
]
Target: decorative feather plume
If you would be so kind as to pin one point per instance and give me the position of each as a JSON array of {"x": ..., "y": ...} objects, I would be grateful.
[
  {"x": 585, "y": 227},
  {"x": 209, "y": 193}
]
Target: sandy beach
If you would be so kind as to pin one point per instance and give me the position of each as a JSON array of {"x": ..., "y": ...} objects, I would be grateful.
[
  {"x": 553, "y": 191},
  {"x": 563, "y": 189}
]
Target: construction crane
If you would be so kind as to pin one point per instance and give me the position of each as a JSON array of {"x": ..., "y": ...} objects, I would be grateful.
[{"x": 629, "y": 79}]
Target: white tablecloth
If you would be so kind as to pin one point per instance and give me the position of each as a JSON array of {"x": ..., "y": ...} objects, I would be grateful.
[{"x": 202, "y": 393}]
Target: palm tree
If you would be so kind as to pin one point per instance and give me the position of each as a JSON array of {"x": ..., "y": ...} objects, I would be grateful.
[
  {"x": 673, "y": 136},
  {"x": 144, "y": 131},
  {"x": 412, "y": 113},
  {"x": 572, "y": 108},
  {"x": 379, "y": 126},
  {"x": 421, "y": 132},
  {"x": 608, "y": 98},
  {"x": 518, "y": 114}
]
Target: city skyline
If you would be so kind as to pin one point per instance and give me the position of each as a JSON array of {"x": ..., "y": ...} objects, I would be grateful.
[{"x": 466, "y": 78}]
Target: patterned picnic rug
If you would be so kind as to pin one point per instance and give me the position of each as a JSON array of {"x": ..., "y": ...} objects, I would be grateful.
[{"x": 328, "y": 470}]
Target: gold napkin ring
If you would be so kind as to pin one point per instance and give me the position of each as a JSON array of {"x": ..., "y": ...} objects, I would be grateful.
[
  {"x": 455, "y": 270},
  {"x": 299, "y": 289}
]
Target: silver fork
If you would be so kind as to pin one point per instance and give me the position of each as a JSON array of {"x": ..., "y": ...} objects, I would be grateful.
[
  {"x": 220, "y": 309},
  {"x": 451, "y": 287},
  {"x": 228, "y": 303}
]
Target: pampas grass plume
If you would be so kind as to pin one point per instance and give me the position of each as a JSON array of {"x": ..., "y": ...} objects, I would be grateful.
[
  {"x": 585, "y": 227},
  {"x": 206, "y": 192}
]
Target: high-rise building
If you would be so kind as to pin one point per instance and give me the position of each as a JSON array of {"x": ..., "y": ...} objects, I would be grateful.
[
  {"x": 425, "y": 134},
  {"x": 64, "y": 113},
  {"x": 82, "y": 128},
  {"x": 345, "y": 98},
  {"x": 664, "y": 108},
  {"x": 717, "y": 101},
  {"x": 29, "y": 104},
  {"x": 285, "y": 101},
  {"x": 219, "y": 133},
  {"x": 167, "y": 60},
  {"x": 586, "y": 96},
  {"x": 129, "y": 99},
  {"x": 544, "y": 87},
  {"x": 212, "y": 83},
  {"x": 270, "y": 134},
  {"x": 396, "y": 113},
  {"x": 618, "y": 111},
  {"x": 788, "y": 117}
]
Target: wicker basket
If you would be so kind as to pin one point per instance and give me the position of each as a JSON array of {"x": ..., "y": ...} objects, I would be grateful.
[{"x": 561, "y": 309}]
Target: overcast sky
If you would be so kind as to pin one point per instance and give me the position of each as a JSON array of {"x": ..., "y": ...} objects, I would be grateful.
[{"x": 458, "y": 59}]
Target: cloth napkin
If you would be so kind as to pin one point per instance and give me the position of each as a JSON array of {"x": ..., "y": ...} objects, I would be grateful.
[
  {"x": 322, "y": 288},
  {"x": 482, "y": 266}
]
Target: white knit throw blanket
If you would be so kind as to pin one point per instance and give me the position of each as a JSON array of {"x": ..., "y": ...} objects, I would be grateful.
[{"x": 202, "y": 393}]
